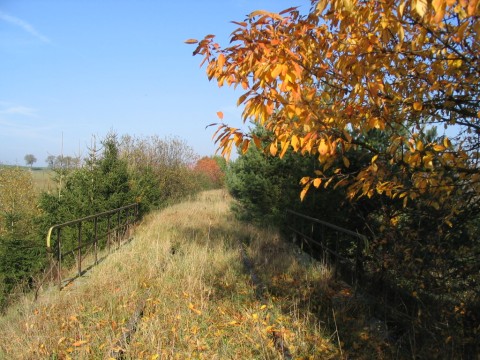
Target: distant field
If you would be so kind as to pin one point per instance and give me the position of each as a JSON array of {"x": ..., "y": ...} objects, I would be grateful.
[{"x": 42, "y": 177}]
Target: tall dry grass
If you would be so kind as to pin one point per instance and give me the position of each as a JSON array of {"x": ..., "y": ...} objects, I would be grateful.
[{"x": 185, "y": 265}]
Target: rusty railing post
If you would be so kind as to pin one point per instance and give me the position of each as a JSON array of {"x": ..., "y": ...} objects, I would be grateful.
[
  {"x": 95, "y": 243},
  {"x": 59, "y": 264},
  {"x": 80, "y": 249},
  {"x": 359, "y": 261},
  {"x": 336, "y": 255},
  {"x": 108, "y": 234},
  {"x": 118, "y": 230}
]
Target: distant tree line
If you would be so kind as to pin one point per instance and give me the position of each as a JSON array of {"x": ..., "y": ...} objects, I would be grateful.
[{"x": 63, "y": 162}]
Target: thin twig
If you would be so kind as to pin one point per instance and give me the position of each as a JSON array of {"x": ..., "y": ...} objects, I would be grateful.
[{"x": 338, "y": 335}]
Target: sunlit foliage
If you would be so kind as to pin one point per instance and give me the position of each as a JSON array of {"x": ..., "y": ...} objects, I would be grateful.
[{"x": 322, "y": 80}]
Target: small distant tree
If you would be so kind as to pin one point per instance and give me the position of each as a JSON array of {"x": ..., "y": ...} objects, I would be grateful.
[
  {"x": 30, "y": 159},
  {"x": 50, "y": 160}
]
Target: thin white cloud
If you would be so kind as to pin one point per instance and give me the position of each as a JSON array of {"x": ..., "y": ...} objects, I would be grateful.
[
  {"x": 25, "y": 26},
  {"x": 19, "y": 110}
]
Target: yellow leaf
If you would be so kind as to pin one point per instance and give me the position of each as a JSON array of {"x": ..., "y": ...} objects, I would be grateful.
[
  {"x": 419, "y": 145},
  {"x": 321, "y": 5},
  {"x": 191, "y": 307},
  {"x": 421, "y": 7},
  {"x": 220, "y": 61},
  {"x": 417, "y": 106},
  {"x": 346, "y": 162},
  {"x": 401, "y": 7},
  {"x": 304, "y": 180},
  {"x": 284, "y": 149},
  {"x": 447, "y": 143},
  {"x": 317, "y": 182},
  {"x": 237, "y": 139},
  {"x": 263, "y": 307},
  {"x": 246, "y": 144},
  {"x": 276, "y": 71},
  {"x": 191, "y": 41},
  {"x": 220, "y": 115},
  {"x": 304, "y": 192},
  {"x": 79, "y": 343},
  {"x": 257, "y": 141},
  {"x": 472, "y": 7},
  {"x": 461, "y": 30},
  {"x": 323, "y": 147},
  {"x": 438, "y": 147},
  {"x": 439, "y": 7},
  {"x": 263, "y": 13},
  {"x": 273, "y": 148},
  {"x": 295, "y": 143}
]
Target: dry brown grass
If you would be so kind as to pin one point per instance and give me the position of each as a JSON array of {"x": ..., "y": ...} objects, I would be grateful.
[
  {"x": 43, "y": 180},
  {"x": 200, "y": 304}
]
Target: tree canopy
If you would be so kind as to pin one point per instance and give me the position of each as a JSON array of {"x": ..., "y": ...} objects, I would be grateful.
[
  {"x": 30, "y": 159},
  {"x": 322, "y": 82}
]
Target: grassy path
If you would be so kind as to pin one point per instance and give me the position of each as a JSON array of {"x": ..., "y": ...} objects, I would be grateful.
[{"x": 185, "y": 264}]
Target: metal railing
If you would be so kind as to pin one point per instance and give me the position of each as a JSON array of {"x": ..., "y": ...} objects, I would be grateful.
[
  {"x": 95, "y": 230},
  {"x": 342, "y": 247}
]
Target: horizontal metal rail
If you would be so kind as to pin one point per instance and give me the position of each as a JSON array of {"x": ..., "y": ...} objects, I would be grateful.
[
  {"x": 86, "y": 218},
  {"x": 349, "y": 254},
  {"x": 329, "y": 225},
  {"x": 124, "y": 217},
  {"x": 324, "y": 248}
]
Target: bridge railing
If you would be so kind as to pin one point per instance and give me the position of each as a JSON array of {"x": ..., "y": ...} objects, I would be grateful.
[{"x": 77, "y": 237}]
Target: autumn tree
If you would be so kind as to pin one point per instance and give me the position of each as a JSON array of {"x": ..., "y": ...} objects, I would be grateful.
[
  {"x": 321, "y": 81},
  {"x": 210, "y": 173}
]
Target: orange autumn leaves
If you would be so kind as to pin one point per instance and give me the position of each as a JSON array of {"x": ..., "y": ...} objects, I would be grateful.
[
  {"x": 211, "y": 170},
  {"x": 322, "y": 81}
]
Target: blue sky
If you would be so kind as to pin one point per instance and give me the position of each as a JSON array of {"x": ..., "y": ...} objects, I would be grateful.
[{"x": 83, "y": 68}]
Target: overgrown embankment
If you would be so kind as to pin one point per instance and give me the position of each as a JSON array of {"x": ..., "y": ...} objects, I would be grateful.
[{"x": 185, "y": 270}]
